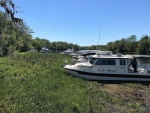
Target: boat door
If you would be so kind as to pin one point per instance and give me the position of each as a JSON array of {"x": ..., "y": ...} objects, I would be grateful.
[{"x": 122, "y": 65}]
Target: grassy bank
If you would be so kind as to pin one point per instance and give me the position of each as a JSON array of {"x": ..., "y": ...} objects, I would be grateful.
[{"x": 36, "y": 82}]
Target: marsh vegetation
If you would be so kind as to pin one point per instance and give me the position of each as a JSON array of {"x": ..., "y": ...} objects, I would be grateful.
[{"x": 37, "y": 82}]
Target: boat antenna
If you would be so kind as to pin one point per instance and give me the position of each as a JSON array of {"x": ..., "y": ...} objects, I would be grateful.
[
  {"x": 99, "y": 37},
  {"x": 98, "y": 47}
]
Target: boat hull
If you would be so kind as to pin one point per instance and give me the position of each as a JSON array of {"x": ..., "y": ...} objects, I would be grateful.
[{"x": 109, "y": 76}]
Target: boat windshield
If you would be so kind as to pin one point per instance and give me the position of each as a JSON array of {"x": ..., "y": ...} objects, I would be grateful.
[{"x": 92, "y": 60}]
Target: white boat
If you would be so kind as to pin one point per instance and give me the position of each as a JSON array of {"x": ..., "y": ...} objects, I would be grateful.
[
  {"x": 86, "y": 55},
  {"x": 82, "y": 52},
  {"x": 110, "y": 67},
  {"x": 71, "y": 52}
]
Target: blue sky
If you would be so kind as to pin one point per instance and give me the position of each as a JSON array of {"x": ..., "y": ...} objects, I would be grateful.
[{"x": 78, "y": 21}]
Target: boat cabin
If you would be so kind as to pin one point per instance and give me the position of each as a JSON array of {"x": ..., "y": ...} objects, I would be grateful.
[{"x": 111, "y": 63}]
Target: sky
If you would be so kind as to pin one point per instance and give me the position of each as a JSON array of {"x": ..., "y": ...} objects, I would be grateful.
[{"x": 85, "y": 22}]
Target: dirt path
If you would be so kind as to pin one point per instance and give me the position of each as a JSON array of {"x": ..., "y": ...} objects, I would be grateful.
[{"x": 139, "y": 93}]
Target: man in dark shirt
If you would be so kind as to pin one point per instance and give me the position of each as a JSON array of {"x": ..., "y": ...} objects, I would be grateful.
[{"x": 134, "y": 64}]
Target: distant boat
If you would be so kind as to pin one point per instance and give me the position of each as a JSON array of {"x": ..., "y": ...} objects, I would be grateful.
[
  {"x": 84, "y": 57},
  {"x": 44, "y": 49},
  {"x": 82, "y": 52},
  {"x": 71, "y": 52},
  {"x": 110, "y": 67}
]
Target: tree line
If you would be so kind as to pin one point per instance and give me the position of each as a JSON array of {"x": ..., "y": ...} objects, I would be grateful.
[
  {"x": 15, "y": 35},
  {"x": 131, "y": 45}
]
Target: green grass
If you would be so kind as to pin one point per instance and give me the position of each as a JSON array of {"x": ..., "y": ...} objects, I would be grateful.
[{"x": 37, "y": 83}]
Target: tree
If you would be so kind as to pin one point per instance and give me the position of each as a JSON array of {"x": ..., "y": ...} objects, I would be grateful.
[
  {"x": 10, "y": 10},
  {"x": 143, "y": 45},
  {"x": 38, "y": 44},
  {"x": 5, "y": 39},
  {"x": 110, "y": 46},
  {"x": 46, "y": 43},
  {"x": 131, "y": 44}
]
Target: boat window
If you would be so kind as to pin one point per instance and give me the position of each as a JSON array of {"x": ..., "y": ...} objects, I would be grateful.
[
  {"x": 122, "y": 62},
  {"x": 92, "y": 60},
  {"x": 101, "y": 62},
  {"x": 111, "y": 62},
  {"x": 105, "y": 62}
]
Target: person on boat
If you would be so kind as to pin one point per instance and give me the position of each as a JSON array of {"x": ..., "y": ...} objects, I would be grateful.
[{"x": 134, "y": 64}]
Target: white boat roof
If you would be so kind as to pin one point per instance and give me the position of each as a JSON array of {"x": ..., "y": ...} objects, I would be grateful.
[{"x": 110, "y": 55}]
